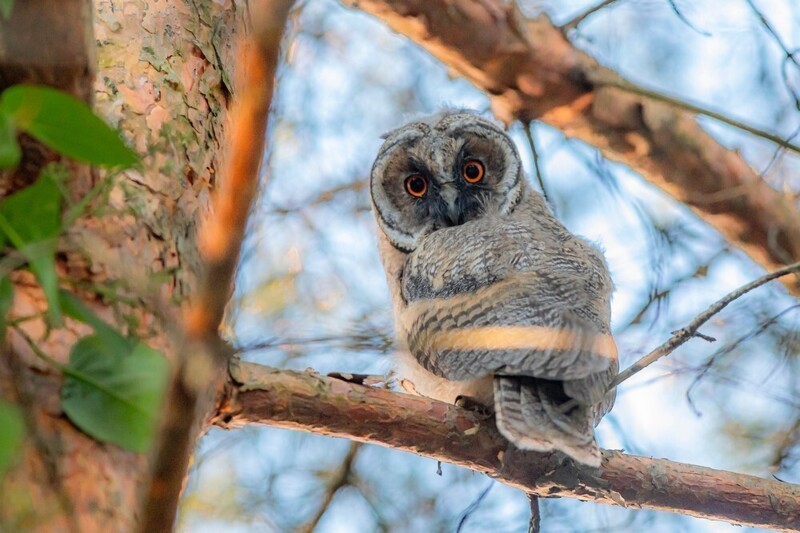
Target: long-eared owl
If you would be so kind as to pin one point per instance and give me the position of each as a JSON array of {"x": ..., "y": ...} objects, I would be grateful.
[{"x": 494, "y": 299}]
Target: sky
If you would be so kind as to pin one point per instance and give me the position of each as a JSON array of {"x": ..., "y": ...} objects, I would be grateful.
[{"x": 311, "y": 291}]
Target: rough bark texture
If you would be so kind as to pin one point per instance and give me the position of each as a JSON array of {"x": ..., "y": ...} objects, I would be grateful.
[
  {"x": 161, "y": 81},
  {"x": 202, "y": 362},
  {"x": 328, "y": 406},
  {"x": 530, "y": 70}
]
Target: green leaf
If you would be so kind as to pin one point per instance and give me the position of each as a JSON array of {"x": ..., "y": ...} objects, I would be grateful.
[
  {"x": 113, "y": 397},
  {"x": 34, "y": 212},
  {"x": 12, "y": 433},
  {"x": 30, "y": 220},
  {"x": 5, "y": 8},
  {"x": 10, "y": 152},
  {"x": 75, "y": 308},
  {"x": 6, "y": 301},
  {"x": 66, "y": 125}
]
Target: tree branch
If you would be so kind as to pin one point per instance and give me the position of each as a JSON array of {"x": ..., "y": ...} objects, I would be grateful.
[
  {"x": 530, "y": 70},
  {"x": 576, "y": 21},
  {"x": 339, "y": 479},
  {"x": 689, "y": 331},
  {"x": 310, "y": 402}
]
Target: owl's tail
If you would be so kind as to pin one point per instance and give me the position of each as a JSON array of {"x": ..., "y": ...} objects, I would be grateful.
[{"x": 528, "y": 415}]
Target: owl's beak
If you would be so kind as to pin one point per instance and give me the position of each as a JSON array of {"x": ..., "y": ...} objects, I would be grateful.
[{"x": 450, "y": 214}]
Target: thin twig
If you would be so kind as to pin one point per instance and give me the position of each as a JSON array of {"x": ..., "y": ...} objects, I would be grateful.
[
  {"x": 686, "y": 21},
  {"x": 528, "y": 127},
  {"x": 686, "y": 105},
  {"x": 535, "y": 521},
  {"x": 340, "y": 480},
  {"x": 790, "y": 56},
  {"x": 686, "y": 333},
  {"x": 711, "y": 361},
  {"x": 767, "y": 26},
  {"x": 575, "y": 22},
  {"x": 473, "y": 506},
  {"x": 790, "y": 439}
]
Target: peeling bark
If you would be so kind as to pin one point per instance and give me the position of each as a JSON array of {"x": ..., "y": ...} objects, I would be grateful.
[
  {"x": 200, "y": 369},
  {"x": 327, "y": 406},
  {"x": 161, "y": 81},
  {"x": 530, "y": 70}
]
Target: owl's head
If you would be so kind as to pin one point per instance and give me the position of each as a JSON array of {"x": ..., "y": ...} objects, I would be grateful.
[{"x": 443, "y": 171}]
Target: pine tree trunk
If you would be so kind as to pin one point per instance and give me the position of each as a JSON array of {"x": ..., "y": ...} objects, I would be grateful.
[{"x": 161, "y": 78}]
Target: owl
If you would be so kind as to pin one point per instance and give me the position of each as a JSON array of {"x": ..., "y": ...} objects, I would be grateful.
[{"x": 495, "y": 301}]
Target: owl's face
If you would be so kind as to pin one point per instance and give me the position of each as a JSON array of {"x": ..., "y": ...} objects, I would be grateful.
[{"x": 443, "y": 171}]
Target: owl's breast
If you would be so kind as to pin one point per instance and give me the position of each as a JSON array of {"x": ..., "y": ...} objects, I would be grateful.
[{"x": 466, "y": 258}]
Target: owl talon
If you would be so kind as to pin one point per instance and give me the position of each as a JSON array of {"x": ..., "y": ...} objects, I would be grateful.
[
  {"x": 369, "y": 380},
  {"x": 471, "y": 404}
]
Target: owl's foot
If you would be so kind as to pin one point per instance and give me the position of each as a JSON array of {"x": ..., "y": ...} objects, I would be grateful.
[
  {"x": 471, "y": 404},
  {"x": 369, "y": 380}
]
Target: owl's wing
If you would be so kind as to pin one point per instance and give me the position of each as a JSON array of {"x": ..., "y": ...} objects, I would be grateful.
[{"x": 501, "y": 312}]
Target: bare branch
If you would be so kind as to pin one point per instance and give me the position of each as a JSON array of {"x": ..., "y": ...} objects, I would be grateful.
[
  {"x": 528, "y": 127},
  {"x": 777, "y": 38},
  {"x": 683, "y": 103},
  {"x": 340, "y": 479},
  {"x": 575, "y": 22},
  {"x": 530, "y": 70},
  {"x": 309, "y": 402},
  {"x": 682, "y": 17},
  {"x": 473, "y": 506},
  {"x": 535, "y": 521},
  {"x": 686, "y": 333}
]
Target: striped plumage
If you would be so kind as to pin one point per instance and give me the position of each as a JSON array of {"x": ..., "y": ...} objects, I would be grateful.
[{"x": 494, "y": 298}]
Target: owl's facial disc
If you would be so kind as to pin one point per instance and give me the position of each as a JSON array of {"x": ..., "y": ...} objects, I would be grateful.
[{"x": 442, "y": 172}]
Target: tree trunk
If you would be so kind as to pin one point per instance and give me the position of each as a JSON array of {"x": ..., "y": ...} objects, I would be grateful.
[{"x": 161, "y": 79}]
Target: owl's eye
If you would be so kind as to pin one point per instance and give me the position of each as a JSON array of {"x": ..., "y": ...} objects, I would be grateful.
[
  {"x": 416, "y": 185},
  {"x": 473, "y": 171}
]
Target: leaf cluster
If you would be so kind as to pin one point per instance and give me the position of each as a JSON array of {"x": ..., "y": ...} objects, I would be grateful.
[{"x": 113, "y": 385}]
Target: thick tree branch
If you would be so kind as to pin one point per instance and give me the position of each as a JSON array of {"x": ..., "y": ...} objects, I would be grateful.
[
  {"x": 530, "y": 70},
  {"x": 328, "y": 406}
]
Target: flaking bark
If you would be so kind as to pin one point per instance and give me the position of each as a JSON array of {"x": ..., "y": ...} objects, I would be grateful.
[{"x": 159, "y": 80}]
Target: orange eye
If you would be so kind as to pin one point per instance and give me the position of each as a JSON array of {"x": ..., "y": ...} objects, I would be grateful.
[
  {"x": 473, "y": 171},
  {"x": 416, "y": 185}
]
